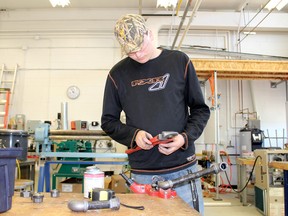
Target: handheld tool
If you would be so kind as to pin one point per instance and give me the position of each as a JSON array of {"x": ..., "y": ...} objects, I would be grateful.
[
  {"x": 164, "y": 137},
  {"x": 100, "y": 194},
  {"x": 164, "y": 189}
]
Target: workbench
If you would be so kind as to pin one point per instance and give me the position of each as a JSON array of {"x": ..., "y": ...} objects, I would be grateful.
[
  {"x": 284, "y": 166},
  {"x": 242, "y": 164},
  {"x": 58, "y": 206}
]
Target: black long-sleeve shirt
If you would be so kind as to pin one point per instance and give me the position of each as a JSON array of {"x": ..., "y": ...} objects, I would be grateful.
[{"x": 161, "y": 95}]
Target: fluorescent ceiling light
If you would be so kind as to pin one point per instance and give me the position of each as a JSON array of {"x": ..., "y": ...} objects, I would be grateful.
[
  {"x": 167, "y": 3},
  {"x": 62, "y": 3},
  {"x": 249, "y": 33},
  {"x": 282, "y": 4},
  {"x": 279, "y": 4}
]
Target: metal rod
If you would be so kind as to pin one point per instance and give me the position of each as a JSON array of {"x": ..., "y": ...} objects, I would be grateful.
[
  {"x": 256, "y": 26},
  {"x": 79, "y": 137},
  {"x": 78, "y": 132},
  {"x": 283, "y": 138},
  {"x": 83, "y": 155},
  {"x": 181, "y": 23},
  {"x": 217, "y": 154},
  {"x": 254, "y": 17},
  {"x": 276, "y": 138},
  {"x": 195, "y": 9},
  {"x": 269, "y": 138}
]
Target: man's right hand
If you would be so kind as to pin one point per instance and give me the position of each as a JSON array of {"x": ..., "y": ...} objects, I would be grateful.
[{"x": 143, "y": 140}]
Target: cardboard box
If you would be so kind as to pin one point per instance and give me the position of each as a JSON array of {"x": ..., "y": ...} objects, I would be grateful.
[
  {"x": 118, "y": 184},
  {"x": 107, "y": 182},
  {"x": 71, "y": 185}
]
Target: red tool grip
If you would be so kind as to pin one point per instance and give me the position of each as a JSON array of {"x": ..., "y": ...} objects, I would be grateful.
[{"x": 155, "y": 141}]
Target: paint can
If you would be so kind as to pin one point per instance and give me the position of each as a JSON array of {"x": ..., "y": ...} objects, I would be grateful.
[{"x": 93, "y": 178}]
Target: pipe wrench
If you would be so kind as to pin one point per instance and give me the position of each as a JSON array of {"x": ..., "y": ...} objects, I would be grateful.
[{"x": 162, "y": 138}]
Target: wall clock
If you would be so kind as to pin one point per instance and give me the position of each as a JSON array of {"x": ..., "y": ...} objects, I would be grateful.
[{"x": 73, "y": 92}]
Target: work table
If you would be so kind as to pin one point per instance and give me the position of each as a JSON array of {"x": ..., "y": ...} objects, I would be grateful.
[{"x": 58, "y": 206}]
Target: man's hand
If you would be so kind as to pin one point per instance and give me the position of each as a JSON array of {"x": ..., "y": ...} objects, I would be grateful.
[
  {"x": 169, "y": 148},
  {"x": 143, "y": 140}
]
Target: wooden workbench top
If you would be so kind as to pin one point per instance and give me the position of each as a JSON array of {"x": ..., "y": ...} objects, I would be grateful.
[
  {"x": 58, "y": 206},
  {"x": 245, "y": 161},
  {"x": 279, "y": 165}
]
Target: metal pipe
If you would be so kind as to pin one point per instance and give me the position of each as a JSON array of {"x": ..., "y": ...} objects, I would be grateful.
[
  {"x": 286, "y": 84},
  {"x": 64, "y": 115},
  {"x": 286, "y": 104},
  {"x": 269, "y": 138},
  {"x": 85, "y": 155},
  {"x": 78, "y": 132},
  {"x": 181, "y": 22},
  {"x": 217, "y": 154},
  {"x": 79, "y": 137},
  {"x": 213, "y": 169},
  {"x": 252, "y": 96},
  {"x": 253, "y": 17},
  {"x": 178, "y": 6},
  {"x": 276, "y": 138},
  {"x": 195, "y": 9},
  {"x": 84, "y": 205},
  {"x": 256, "y": 26}
]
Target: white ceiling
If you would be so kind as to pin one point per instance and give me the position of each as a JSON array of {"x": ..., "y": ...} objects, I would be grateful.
[{"x": 206, "y": 5}]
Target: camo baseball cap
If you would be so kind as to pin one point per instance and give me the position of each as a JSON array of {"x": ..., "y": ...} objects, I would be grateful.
[{"x": 129, "y": 31}]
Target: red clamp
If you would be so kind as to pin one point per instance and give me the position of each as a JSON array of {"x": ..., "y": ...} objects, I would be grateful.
[{"x": 164, "y": 137}]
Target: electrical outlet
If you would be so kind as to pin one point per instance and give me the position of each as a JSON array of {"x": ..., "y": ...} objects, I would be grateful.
[{"x": 106, "y": 145}]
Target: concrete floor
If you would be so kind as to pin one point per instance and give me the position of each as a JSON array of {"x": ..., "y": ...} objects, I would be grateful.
[{"x": 229, "y": 205}]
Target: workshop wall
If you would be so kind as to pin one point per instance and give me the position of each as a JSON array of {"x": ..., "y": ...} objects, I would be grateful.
[{"x": 58, "y": 48}]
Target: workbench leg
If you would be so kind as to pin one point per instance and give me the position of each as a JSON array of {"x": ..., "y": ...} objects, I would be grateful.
[
  {"x": 41, "y": 179},
  {"x": 33, "y": 173},
  {"x": 243, "y": 180},
  {"x": 47, "y": 176},
  {"x": 239, "y": 186},
  {"x": 54, "y": 182},
  {"x": 285, "y": 192}
]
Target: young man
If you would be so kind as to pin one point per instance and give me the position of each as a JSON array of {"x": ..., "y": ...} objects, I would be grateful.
[{"x": 158, "y": 90}]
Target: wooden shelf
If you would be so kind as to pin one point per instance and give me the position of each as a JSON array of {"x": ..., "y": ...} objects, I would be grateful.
[{"x": 241, "y": 69}]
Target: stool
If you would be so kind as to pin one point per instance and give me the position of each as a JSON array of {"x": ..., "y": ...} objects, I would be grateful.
[{"x": 23, "y": 184}]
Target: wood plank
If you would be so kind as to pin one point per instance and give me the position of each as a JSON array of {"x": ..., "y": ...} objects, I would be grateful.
[
  {"x": 241, "y": 69},
  {"x": 245, "y": 161},
  {"x": 279, "y": 165},
  {"x": 58, "y": 206}
]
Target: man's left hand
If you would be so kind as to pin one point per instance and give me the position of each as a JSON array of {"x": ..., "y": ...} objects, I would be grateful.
[{"x": 169, "y": 148}]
